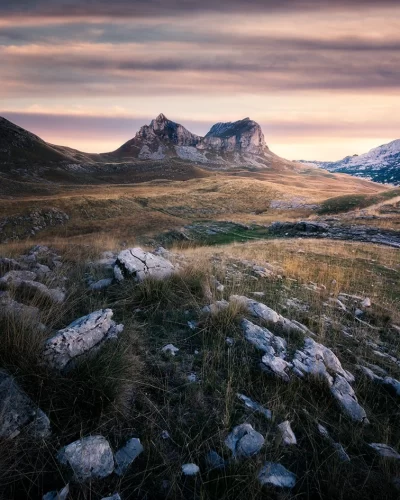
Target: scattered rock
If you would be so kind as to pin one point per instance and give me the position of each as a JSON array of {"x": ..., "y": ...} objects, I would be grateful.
[
  {"x": 244, "y": 441},
  {"x": 136, "y": 263},
  {"x": 190, "y": 469},
  {"x": 57, "y": 495},
  {"x": 345, "y": 396},
  {"x": 89, "y": 458},
  {"x": 255, "y": 406},
  {"x": 126, "y": 455},
  {"x": 192, "y": 378},
  {"x": 113, "y": 497},
  {"x": 287, "y": 436},
  {"x": 385, "y": 450},
  {"x": 277, "y": 475},
  {"x": 80, "y": 337},
  {"x": 18, "y": 412},
  {"x": 366, "y": 302},
  {"x": 170, "y": 349}
]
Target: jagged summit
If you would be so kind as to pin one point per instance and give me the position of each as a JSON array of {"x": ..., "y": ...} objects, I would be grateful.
[{"x": 238, "y": 142}]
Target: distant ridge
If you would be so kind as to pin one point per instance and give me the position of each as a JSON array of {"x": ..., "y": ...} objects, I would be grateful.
[{"x": 381, "y": 164}]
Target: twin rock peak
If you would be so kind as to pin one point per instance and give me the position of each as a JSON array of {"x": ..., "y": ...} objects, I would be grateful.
[{"x": 163, "y": 138}]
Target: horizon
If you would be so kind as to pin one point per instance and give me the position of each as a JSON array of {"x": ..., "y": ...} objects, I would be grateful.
[
  {"x": 323, "y": 82},
  {"x": 28, "y": 122}
]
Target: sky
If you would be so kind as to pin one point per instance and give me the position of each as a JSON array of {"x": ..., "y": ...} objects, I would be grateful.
[{"x": 322, "y": 77}]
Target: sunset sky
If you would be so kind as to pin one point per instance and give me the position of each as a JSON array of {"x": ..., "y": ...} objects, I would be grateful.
[{"x": 322, "y": 77}]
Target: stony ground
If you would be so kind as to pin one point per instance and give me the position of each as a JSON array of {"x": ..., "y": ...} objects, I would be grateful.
[{"x": 267, "y": 367}]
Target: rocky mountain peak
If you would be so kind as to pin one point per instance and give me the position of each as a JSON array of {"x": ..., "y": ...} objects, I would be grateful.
[{"x": 244, "y": 136}]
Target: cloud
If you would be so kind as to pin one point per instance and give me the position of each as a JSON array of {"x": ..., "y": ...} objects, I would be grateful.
[{"x": 169, "y": 8}]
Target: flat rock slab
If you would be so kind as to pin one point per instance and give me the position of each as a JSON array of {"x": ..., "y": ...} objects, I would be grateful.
[
  {"x": 80, "y": 337},
  {"x": 126, "y": 455},
  {"x": 18, "y": 412},
  {"x": 89, "y": 458},
  {"x": 244, "y": 441},
  {"x": 275, "y": 474},
  {"x": 138, "y": 264}
]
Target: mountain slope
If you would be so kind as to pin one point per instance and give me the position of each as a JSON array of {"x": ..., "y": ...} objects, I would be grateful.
[
  {"x": 381, "y": 164},
  {"x": 232, "y": 144}
]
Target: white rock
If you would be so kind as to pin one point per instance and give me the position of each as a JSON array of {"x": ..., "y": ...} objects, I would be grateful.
[
  {"x": 165, "y": 435},
  {"x": 275, "y": 366},
  {"x": 366, "y": 302},
  {"x": 345, "y": 396},
  {"x": 18, "y": 412},
  {"x": 80, "y": 337},
  {"x": 139, "y": 264},
  {"x": 113, "y": 497},
  {"x": 277, "y": 475},
  {"x": 126, "y": 455},
  {"x": 190, "y": 469},
  {"x": 244, "y": 441},
  {"x": 57, "y": 495},
  {"x": 287, "y": 436},
  {"x": 192, "y": 378},
  {"x": 89, "y": 458},
  {"x": 385, "y": 450},
  {"x": 255, "y": 406},
  {"x": 170, "y": 349}
]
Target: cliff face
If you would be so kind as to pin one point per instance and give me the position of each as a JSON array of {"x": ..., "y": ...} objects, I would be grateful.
[{"x": 243, "y": 136}]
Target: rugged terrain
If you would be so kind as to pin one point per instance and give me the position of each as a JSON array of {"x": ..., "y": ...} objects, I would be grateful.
[
  {"x": 381, "y": 164},
  {"x": 178, "y": 329}
]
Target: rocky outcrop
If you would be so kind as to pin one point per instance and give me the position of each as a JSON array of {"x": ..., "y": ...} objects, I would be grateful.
[
  {"x": 138, "y": 264},
  {"x": 89, "y": 458},
  {"x": 243, "y": 136},
  {"x": 18, "y": 412},
  {"x": 22, "y": 226},
  {"x": 84, "y": 335},
  {"x": 313, "y": 229},
  {"x": 225, "y": 143}
]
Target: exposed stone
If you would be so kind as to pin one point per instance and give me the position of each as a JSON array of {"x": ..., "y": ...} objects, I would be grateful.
[
  {"x": 21, "y": 312},
  {"x": 385, "y": 450},
  {"x": 170, "y": 349},
  {"x": 268, "y": 315},
  {"x": 366, "y": 302},
  {"x": 317, "y": 360},
  {"x": 80, "y": 337},
  {"x": 112, "y": 497},
  {"x": 18, "y": 412},
  {"x": 244, "y": 441},
  {"x": 138, "y": 264},
  {"x": 393, "y": 384},
  {"x": 287, "y": 436},
  {"x": 340, "y": 451},
  {"x": 24, "y": 282},
  {"x": 255, "y": 406},
  {"x": 190, "y": 469},
  {"x": 277, "y": 475},
  {"x": 89, "y": 458},
  {"x": 8, "y": 264},
  {"x": 126, "y": 455},
  {"x": 345, "y": 396},
  {"x": 57, "y": 495}
]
